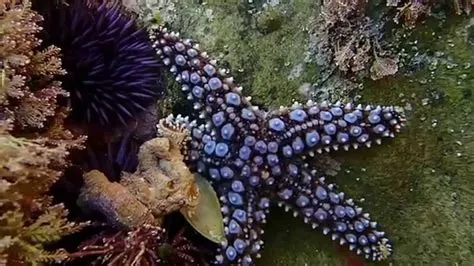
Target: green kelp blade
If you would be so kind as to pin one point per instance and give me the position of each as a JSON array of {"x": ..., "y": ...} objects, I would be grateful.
[{"x": 207, "y": 217}]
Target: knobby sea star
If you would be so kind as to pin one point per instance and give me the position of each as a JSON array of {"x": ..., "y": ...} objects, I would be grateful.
[{"x": 254, "y": 158}]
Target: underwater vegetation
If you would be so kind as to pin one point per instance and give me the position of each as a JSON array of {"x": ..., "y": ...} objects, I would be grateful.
[
  {"x": 111, "y": 69},
  {"x": 412, "y": 12},
  {"x": 181, "y": 251},
  {"x": 144, "y": 245},
  {"x": 253, "y": 157},
  {"x": 34, "y": 145},
  {"x": 136, "y": 247},
  {"x": 350, "y": 40},
  {"x": 24, "y": 65}
]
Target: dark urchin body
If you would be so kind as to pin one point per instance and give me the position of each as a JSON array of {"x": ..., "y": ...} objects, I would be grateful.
[{"x": 112, "y": 68}]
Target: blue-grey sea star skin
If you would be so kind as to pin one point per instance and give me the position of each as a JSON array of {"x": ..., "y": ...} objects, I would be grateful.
[{"x": 255, "y": 158}]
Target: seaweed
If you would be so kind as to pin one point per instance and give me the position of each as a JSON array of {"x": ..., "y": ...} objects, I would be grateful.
[
  {"x": 34, "y": 144},
  {"x": 144, "y": 245},
  {"x": 351, "y": 41},
  {"x": 411, "y": 12}
]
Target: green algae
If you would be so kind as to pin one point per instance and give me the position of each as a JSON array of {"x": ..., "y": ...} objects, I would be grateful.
[
  {"x": 419, "y": 186},
  {"x": 269, "y": 65},
  {"x": 270, "y": 20}
]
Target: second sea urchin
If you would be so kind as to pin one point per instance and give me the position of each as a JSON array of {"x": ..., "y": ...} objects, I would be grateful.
[{"x": 112, "y": 68}]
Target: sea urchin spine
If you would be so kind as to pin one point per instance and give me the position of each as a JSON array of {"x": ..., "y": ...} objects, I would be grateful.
[{"x": 112, "y": 68}]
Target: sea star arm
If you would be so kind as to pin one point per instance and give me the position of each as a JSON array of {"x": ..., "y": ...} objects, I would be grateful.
[
  {"x": 324, "y": 127},
  {"x": 300, "y": 129},
  {"x": 321, "y": 205},
  {"x": 244, "y": 216},
  {"x": 225, "y": 114},
  {"x": 206, "y": 85},
  {"x": 244, "y": 205}
]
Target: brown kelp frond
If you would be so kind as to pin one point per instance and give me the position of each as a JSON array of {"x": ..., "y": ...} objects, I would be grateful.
[
  {"x": 34, "y": 145},
  {"x": 27, "y": 170},
  {"x": 29, "y": 92}
]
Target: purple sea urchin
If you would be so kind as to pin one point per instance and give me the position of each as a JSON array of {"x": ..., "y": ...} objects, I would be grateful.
[{"x": 112, "y": 69}]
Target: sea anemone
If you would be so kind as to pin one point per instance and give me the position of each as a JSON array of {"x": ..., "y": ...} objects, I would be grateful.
[{"x": 112, "y": 69}]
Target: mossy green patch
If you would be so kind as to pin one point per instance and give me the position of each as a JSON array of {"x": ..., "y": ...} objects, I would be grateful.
[
  {"x": 418, "y": 186},
  {"x": 425, "y": 175},
  {"x": 268, "y": 65},
  {"x": 270, "y": 20}
]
